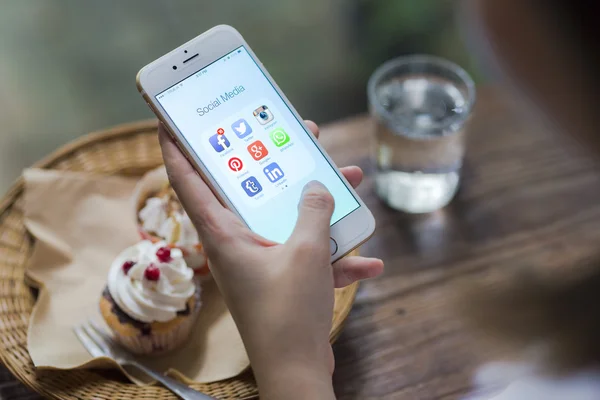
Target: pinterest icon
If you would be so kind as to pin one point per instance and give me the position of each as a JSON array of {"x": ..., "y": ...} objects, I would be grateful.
[{"x": 235, "y": 164}]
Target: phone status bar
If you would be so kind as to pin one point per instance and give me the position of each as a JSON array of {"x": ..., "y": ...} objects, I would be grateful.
[
  {"x": 204, "y": 71},
  {"x": 224, "y": 59}
]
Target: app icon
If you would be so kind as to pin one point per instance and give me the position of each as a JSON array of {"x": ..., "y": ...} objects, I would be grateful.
[
  {"x": 279, "y": 137},
  {"x": 241, "y": 128},
  {"x": 258, "y": 150},
  {"x": 251, "y": 186},
  {"x": 273, "y": 172},
  {"x": 219, "y": 142},
  {"x": 263, "y": 115},
  {"x": 235, "y": 164}
]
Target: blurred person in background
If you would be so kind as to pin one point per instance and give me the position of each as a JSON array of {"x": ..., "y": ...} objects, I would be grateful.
[
  {"x": 281, "y": 296},
  {"x": 547, "y": 53}
]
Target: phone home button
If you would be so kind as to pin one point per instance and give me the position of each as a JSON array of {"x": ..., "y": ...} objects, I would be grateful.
[{"x": 333, "y": 247}]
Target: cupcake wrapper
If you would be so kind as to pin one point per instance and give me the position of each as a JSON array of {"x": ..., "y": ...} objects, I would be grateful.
[{"x": 158, "y": 343}]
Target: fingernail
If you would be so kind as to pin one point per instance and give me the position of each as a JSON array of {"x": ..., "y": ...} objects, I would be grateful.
[{"x": 311, "y": 185}]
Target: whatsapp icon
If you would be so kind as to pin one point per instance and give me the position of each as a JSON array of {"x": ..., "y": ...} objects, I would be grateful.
[{"x": 279, "y": 137}]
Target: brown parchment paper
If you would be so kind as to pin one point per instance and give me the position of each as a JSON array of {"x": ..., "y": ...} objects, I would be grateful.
[{"x": 80, "y": 223}]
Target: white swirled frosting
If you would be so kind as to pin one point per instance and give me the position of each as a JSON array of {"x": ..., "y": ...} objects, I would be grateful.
[
  {"x": 175, "y": 227},
  {"x": 146, "y": 300}
]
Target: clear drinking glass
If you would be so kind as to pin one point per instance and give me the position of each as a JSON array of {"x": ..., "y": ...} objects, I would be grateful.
[{"x": 421, "y": 105}]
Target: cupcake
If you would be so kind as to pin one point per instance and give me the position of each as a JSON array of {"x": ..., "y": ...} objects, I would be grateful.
[
  {"x": 161, "y": 217},
  {"x": 151, "y": 300}
]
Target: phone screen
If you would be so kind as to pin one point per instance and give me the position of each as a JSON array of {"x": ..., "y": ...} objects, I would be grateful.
[{"x": 252, "y": 144}]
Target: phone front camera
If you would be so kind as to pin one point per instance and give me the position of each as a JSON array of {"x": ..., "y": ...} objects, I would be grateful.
[
  {"x": 174, "y": 66},
  {"x": 263, "y": 115}
]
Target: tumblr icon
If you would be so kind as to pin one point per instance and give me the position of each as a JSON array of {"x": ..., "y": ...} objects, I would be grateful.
[{"x": 251, "y": 186}]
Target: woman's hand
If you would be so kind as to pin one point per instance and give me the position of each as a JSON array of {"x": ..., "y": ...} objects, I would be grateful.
[{"x": 280, "y": 295}]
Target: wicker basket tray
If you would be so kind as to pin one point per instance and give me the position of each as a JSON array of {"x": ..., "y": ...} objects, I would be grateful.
[{"x": 129, "y": 150}]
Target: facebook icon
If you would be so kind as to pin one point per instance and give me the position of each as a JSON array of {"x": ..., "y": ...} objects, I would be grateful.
[
  {"x": 273, "y": 172},
  {"x": 219, "y": 142}
]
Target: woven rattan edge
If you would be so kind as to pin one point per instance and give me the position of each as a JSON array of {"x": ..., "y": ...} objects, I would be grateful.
[
  {"x": 128, "y": 129},
  {"x": 16, "y": 189},
  {"x": 343, "y": 315}
]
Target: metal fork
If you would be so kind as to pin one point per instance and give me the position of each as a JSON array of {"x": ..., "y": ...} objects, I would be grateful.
[{"x": 100, "y": 344}]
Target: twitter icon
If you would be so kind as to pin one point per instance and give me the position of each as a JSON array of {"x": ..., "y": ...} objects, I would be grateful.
[{"x": 241, "y": 128}]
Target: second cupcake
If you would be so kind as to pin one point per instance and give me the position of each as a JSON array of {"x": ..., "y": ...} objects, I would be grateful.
[{"x": 161, "y": 217}]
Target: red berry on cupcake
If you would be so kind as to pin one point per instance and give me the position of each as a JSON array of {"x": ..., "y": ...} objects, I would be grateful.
[
  {"x": 127, "y": 266},
  {"x": 164, "y": 254},
  {"x": 152, "y": 273}
]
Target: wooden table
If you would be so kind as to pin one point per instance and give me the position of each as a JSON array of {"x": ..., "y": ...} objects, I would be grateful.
[{"x": 527, "y": 197}]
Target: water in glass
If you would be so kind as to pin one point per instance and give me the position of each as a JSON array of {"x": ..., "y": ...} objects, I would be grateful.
[{"x": 418, "y": 170}]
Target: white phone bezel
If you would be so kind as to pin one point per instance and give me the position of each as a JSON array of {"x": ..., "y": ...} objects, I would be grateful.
[{"x": 348, "y": 233}]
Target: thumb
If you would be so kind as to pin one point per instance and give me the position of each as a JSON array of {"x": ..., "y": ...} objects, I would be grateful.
[{"x": 314, "y": 214}]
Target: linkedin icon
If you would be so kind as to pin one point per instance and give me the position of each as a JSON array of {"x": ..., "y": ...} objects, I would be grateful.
[{"x": 273, "y": 172}]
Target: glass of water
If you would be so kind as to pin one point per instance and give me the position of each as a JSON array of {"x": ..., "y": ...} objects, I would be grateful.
[{"x": 421, "y": 105}]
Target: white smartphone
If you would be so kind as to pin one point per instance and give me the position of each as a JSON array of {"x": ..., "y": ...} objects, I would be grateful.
[{"x": 246, "y": 140}]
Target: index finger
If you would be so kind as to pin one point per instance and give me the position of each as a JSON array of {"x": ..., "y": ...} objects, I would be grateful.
[
  {"x": 314, "y": 128},
  {"x": 196, "y": 197}
]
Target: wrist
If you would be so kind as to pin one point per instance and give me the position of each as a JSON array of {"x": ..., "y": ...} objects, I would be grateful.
[
  {"x": 294, "y": 368},
  {"x": 290, "y": 380}
]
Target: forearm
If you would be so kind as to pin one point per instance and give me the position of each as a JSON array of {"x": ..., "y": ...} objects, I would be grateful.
[{"x": 288, "y": 361}]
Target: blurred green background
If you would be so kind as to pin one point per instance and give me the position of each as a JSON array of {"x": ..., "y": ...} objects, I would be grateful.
[{"x": 67, "y": 67}]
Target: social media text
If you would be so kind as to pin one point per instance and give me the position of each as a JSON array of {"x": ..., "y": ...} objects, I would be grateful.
[{"x": 237, "y": 90}]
